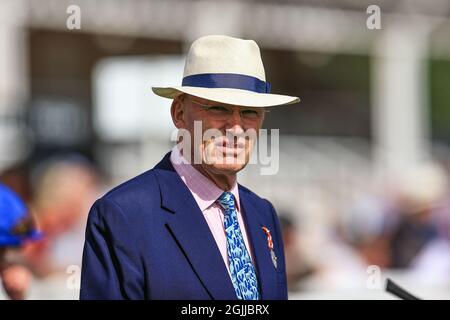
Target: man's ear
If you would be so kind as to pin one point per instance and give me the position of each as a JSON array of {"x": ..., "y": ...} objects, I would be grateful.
[{"x": 177, "y": 112}]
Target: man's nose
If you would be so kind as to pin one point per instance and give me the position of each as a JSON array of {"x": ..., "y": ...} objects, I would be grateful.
[
  {"x": 235, "y": 120},
  {"x": 234, "y": 124}
]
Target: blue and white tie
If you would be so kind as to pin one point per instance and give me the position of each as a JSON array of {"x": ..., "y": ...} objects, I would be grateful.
[{"x": 243, "y": 273}]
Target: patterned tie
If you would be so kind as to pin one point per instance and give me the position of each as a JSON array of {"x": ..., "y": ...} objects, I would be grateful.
[{"x": 243, "y": 273}]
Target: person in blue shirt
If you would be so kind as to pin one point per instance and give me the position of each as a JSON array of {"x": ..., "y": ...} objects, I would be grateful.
[{"x": 16, "y": 228}]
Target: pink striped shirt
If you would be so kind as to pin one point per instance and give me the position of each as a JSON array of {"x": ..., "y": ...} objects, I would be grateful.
[{"x": 205, "y": 193}]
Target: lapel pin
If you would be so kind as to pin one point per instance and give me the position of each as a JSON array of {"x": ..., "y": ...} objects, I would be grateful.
[{"x": 270, "y": 245}]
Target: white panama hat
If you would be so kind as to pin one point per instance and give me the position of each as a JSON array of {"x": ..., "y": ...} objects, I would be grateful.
[{"x": 226, "y": 70}]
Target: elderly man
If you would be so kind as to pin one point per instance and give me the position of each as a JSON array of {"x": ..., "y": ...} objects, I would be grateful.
[{"x": 185, "y": 229}]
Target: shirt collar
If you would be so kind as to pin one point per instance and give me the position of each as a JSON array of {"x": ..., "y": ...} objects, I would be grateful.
[{"x": 205, "y": 191}]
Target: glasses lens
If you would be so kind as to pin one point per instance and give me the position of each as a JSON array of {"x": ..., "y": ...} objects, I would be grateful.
[
  {"x": 222, "y": 112},
  {"x": 219, "y": 110},
  {"x": 251, "y": 114}
]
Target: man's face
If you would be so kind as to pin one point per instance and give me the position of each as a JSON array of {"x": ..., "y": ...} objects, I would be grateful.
[{"x": 228, "y": 133}]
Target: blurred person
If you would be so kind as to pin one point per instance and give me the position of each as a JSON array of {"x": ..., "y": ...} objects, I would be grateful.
[
  {"x": 297, "y": 268},
  {"x": 341, "y": 249},
  {"x": 16, "y": 228},
  {"x": 431, "y": 265},
  {"x": 421, "y": 190},
  {"x": 187, "y": 229},
  {"x": 64, "y": 188},
  {"x": 414, "y": 231},
  {"x": 366, "y": 228}
]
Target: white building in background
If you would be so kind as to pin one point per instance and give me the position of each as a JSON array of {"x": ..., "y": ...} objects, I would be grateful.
[
  {"x": 125, "y": 110},
  {"x": 13, "y": 81}
]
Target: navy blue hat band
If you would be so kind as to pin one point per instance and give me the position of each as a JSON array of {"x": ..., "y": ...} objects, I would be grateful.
[{"x": 227, "y": 80}]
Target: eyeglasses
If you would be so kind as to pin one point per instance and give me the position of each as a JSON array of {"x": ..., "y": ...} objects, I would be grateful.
[{"x": 220, "y": 112}]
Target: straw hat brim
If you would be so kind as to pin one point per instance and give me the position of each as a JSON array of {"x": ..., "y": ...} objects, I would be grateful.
[{"x": 237, "y": 97}]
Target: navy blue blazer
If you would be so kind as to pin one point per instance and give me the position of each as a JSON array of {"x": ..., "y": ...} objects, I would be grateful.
[{"x": 147, "y": 239}]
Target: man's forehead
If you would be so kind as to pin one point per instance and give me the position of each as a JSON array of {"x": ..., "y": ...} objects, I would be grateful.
[{"x": 210, "y": 102}]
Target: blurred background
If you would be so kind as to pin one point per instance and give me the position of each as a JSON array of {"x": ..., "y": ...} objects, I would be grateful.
[{"x": 362, "y": 188}]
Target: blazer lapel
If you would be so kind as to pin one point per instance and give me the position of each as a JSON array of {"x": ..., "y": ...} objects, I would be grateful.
[
  {"x": 267, "y": 275},
  {"x": 190, "y": 230}
]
